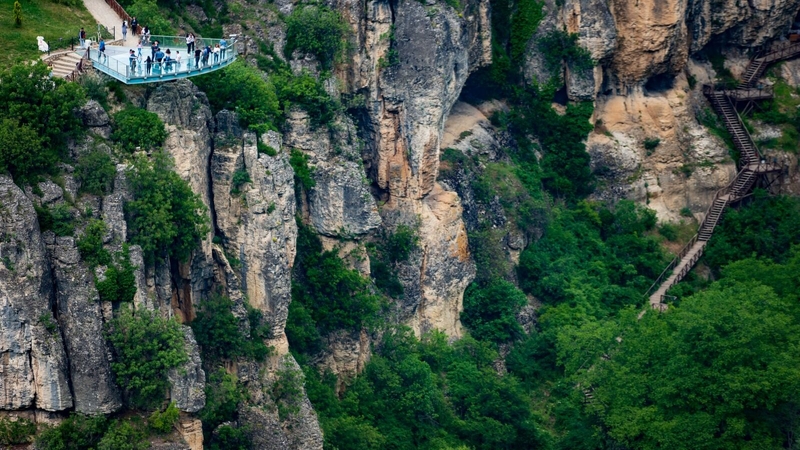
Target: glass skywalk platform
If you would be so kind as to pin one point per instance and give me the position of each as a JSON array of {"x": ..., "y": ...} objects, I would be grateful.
[{"x": 117, "y": 64}]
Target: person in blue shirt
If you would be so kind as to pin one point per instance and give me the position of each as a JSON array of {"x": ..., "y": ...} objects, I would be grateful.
[
  {"x": 222, "y": 46},
  {"x": 102, "y": 49}
]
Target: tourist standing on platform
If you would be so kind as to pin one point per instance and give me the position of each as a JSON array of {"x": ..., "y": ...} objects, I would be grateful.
[
  {"x": 102, "y": 48},
  {"x": 148, "y": 64},
  {"x": 82, "y": 37},
  {"x": 206, "y": 54},
  {"x": 189, "y": 43},
  {"x": 159, "y": 56},
  {"x": 222, "y": 46},
  {"x": 134, "y": 26},
  {"x": 167, "y": 61},
  {"x": 178, "y": 60},
  {"x": 153, "y": 49},
  {"x": 216, "y": 53},
  {"x": 146, "y": 34},
  {"x": 132, "y": 59},
  {"x": 124, "y": 30},
  {"x": 139, "y": 47},
  {"x": 197, "y": 57}
]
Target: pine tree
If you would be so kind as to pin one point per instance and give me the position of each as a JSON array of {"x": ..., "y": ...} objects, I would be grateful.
[{"x": 17, "y": 14}]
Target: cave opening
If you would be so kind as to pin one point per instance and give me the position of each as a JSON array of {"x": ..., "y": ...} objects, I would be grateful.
[{"x": 659, "y": 83}]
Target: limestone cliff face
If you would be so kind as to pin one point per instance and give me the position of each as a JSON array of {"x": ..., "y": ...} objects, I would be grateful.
[
  {"x": 406, "y": 106},
  {"x": 33, "y": 367}
]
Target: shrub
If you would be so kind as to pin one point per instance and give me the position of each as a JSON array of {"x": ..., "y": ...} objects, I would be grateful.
[
  {"x": 21, "y": 152},
  {"x": 165, "y": 217},
  {"x": 318, "y": 31},
  {"x": 287, "y": 389},
  {"x": 76, "y": 432},
  {"x": 90, "y": 245},
  {"x": 119, "y": 284},
  {"x": 124, "y": 436},
  {"x": 164, "y": 421},
  {"x": 17, "y": 14},
  {"x": 524, "y": 24},
  {"x": 17, "y": 431},
  {"x": 95, "y": 172},
  {"x": 45, "y": 108},
  {"x": 326, "y": 294},
  {"x": 243, "y": 89},
  {"x": 490, "y": 312},
  {"x": 146, "y": 347},
  {"x": 650, "y": 144},
  {"x": 59, "y": 219},
  {"x": 136, "y": 127},
  {"x": 558, "y": 46},
  {"x": 223, "y": 395},
  {"x": 303, "y": 174},
  {"x": 669, "y": 231},
  {"x": 229, "y": 438},
  {"x": 307, "y": 92},
  {"x": 219, "y": 335},
  {"x": 390, "y": 249},
  {"x": 240, "y": 177},
  {"x": 147, "y": 12}
]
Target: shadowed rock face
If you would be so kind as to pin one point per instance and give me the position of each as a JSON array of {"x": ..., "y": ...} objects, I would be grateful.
[
  {"x": 33, "y": 364},
  {"x": 81, "y": 320}
]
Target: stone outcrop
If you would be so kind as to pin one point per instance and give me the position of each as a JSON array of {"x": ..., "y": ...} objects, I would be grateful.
[
  {"x": 81, "y": 320},
  {"x": 34, "y": 371},
  {"x": 188, "y": 381}
]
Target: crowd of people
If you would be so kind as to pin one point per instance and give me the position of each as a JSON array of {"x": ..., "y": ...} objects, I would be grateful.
[{"x": 164, "y": 60}]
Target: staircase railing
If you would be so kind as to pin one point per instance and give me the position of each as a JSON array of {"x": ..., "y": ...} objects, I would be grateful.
[
  {"x": 672, "y": 265},
  {"x": 80, "y": 67},
  {"x": 119, "y": 10}
]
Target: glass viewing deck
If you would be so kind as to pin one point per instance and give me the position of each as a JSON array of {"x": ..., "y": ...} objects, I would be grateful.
[{"x": 117, "y": 63}]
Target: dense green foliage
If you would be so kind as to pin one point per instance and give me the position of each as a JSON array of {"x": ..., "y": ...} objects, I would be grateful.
[
  {"x": 90, "y": 245},
  {"x": 398, "y": 402},
  {"x": 146, "y": 347},
  {"x": 595, "y": 256},
  {"x": 384, "y": 255},
  {"x": 558, "y": 46},
  {"x": 59, "y": 218},
  {"x": 77, "y": 432},
  {"x": 165, "y": 217},
  {"x": 721, "y": 371},
  {"x": 318, "y": 31},
  {"x": 121, "y": 435},
  {"x": 326, "y": 295},
  {"x": 767, "y": 227},
  {"x": 136, "y": 127},
  {"x": 147, "y": 13},
  {"x": 303, "y": 174},
  {"x": 220, "y": 336},
  {"x": 223, "y": 395},
  {"x": 37, "y": 118},
  {"x": 489, "y": 312},
  {"x": 119, "y": 284},
  {"x": 241, "y": 88},
  {"x": 17, "y": 431},
  {"x": 524, "y": 23},
  {"x": 164, "y": 421},
  {"x": 307, "y": 92},
  {"x": 95, "y": 172}
]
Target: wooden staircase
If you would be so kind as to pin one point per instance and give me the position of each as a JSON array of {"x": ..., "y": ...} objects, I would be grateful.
[{"x": 751, "y": 162}]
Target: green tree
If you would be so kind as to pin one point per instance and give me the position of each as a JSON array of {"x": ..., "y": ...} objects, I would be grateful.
[
  {"x": 148, "y": 13},
  {"x": 219, "y": 334},
  {"x": 136, "y": 127},
  {"x": 21, "y": 151},
  {"x": 95, "y": 172},
  {"x": 243, "y": 89},
  {"x": 318, "y": 31},
  {"x": 45, "y": 105},
  {"x": 721, "y": 371},
  {"x": 90, "y": 245},
  {"x": 146, "y": 347},
  {"x": 490, "y": 311},
  {"x": 123, "y": 436},
  {"x": 77, "y": 432},
  {"x": 165, "y": 217}
]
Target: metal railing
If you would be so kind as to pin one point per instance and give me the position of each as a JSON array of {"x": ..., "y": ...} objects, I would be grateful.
[
  {"x": 672, "y": 265},
  {"x": 119, "y": 10},
  {"x": 116, "y": 62},
  {"x": 80, "y": 67}
]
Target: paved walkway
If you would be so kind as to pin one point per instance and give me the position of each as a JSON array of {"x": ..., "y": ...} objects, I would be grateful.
[{"x": 105, "y": 16}]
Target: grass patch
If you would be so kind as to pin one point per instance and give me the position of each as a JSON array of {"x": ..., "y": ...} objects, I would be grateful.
[{"x": 40, "y": 18}]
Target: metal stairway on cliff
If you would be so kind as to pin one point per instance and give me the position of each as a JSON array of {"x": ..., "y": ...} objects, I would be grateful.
[{"x": 752, "y": 164}]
